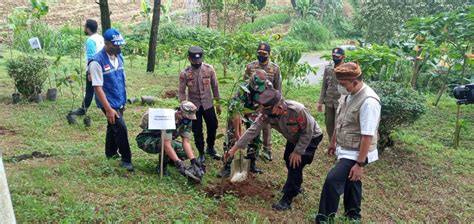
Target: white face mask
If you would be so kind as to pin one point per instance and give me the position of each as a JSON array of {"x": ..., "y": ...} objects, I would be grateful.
[{"x": 342, "y": 90}]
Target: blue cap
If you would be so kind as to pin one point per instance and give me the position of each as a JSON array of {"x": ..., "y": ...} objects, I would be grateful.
[{"x": 114, "y": 36}]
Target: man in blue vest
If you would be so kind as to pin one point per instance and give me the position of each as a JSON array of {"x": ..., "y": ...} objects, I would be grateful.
[{"x": 108, "y": 78}]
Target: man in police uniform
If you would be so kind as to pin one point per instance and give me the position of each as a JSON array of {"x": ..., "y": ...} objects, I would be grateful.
[
  {"x": 108, "y": 79},
  {"x": 248, "y": 100},
  {"x": 354, "y": 142},
  {"x": 329, "y": 95},
  {"x": 200, "y": 79},
  {"x": 150, "y": 142},
  {"x": 301, "y": 130},
  {"x": 273, "y": 74}
]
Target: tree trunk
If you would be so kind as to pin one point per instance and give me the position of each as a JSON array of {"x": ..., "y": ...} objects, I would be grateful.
[
  {"x": 457, "y": 128},
  {"x": 104, "y": 15},
  {"x": 155, "y": 22},
  {"x": 208, "y": 16},
  {"x": 443, "y": 88},
  {"x": 416, "y": 69}
]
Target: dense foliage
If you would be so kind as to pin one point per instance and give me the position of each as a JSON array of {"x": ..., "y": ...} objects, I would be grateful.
[
  {"x": 400, "y": 106},
  {"x": 29, "y": 74}
]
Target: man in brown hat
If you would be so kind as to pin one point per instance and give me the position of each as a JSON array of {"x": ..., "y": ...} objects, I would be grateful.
[
  {"x": 354, "y": 142},
  {"x": 150, "y": 142},
  {"x": 273, "y": 74},
  {"x": 301, "y": 130},
  {"x": 329, "y": 96},
  {"x": 200, "y": 80}
]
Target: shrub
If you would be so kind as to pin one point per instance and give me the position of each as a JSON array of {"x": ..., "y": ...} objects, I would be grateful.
[
  {"x": 29, "y": 74},
  {"x": 401, "y": 106},
  {"x": 312, "y": 32},
  {"x": 266, "y": 22}
]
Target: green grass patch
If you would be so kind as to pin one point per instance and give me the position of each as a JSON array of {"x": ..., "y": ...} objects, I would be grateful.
[{"x": 266, "y": 22}]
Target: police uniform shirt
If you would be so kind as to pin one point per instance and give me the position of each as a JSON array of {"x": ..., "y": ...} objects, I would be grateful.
[{"x": 296, "y": 125}]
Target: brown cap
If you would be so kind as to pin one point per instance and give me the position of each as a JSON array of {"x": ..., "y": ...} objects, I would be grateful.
[
  {"x": 347, "y": 71},
  {"x": 189, "y": 110},
  {"x": 269, "y": 98}
]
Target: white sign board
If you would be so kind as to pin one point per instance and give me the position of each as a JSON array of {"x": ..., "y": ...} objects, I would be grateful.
[
  {"x": 161, "y": 119},
  {"x": 35, "y": 43}
]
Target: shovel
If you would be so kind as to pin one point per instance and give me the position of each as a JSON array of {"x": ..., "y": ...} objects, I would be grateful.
[{"x": 239, "y": 169}]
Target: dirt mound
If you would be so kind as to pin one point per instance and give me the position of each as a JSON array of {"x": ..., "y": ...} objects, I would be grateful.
[
  {"x": 170, "y": 94},
  {"x": 248, "y": 188},
  {"x": 5, "y": 131}
]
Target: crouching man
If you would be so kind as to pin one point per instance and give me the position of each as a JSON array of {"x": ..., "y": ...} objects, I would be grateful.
[
  {"x": 175, "y": 152},
  {"x": 301, "y": 130}
]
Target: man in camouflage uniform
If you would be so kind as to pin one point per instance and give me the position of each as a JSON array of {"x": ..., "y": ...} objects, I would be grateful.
[
  {"x": 200, "y": 79},
  {"x": 301, "y": 130},
  {"x": 329, "y": 95},
  {"x": 150, "y": 142},
  {"x": 243, "y": 100},
  {"x": 274, "y": 76}
]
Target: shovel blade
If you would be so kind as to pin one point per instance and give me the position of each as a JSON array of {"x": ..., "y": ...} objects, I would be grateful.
[{"x": 239, "y": 170}]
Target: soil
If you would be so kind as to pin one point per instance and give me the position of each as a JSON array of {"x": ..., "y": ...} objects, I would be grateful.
[
  {"x": 33, "y": 155},
  {"x": 5, "y": 131},
  {"x": 248, "y": 188},
  {"x": 170, "y": 94}
]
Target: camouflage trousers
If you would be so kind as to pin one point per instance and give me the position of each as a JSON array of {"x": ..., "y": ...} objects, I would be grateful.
[
  {"x": 252, "y": 149},
  {"x": 151, "y": 143}
]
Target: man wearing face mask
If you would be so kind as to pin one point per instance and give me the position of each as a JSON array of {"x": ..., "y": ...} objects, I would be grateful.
[
  {"x": 108, "y": 79},
  {"x": 175, "y": 152},
  {"x": 94, "y": 43},
  {"x": 301, "y": 131},
  {"x": 200, "y": 80},
  {"x": 273, "y": 75},
  {"x": 354, "y": 142},
  {"x": 330, "y": 95}
]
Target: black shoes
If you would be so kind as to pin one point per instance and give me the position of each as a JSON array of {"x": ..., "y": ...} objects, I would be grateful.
[
  {"x": 283, "y": 204},
  {"x": 253, "y": 167},
  {"x": 225, "y": 171},
  {"x": 128, "y": 166},
  {"x": 212, "y": 152},
  {"x": 165, "y": 169},
  {"x": 201, "y": 158},
  {"x": 79, "y": 111}
]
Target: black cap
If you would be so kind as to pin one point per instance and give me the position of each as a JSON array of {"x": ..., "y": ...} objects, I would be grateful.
[
  {"x": 338, "y": 51},
  {"x": 263, "y": 47},
  {"x": 196, "y": 53}
]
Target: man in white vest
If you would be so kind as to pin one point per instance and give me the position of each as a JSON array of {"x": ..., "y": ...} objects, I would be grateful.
[{"x": 354, "y": 142}]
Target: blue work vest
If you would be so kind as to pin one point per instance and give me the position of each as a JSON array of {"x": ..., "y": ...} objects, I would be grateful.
[{"x": 114, "y": 80}]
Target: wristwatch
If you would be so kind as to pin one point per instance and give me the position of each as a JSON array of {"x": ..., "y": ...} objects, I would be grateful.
[{"x": 361, "y": 164}]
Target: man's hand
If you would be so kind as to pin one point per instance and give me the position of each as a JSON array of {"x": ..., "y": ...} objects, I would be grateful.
[
  {"x": 319, "y": 107},
  {"x": 218, "y": 109},
  {"x": 229, "y": 154},
  {"x": 331, "y": 149},
  {"x": 295, "y": 159},
  {"x": 356, "y": 173},
  {"x": 111, "y": 115}
]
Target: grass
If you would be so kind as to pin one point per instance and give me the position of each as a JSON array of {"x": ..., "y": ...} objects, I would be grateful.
[{"x": 421, "y": 179}]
